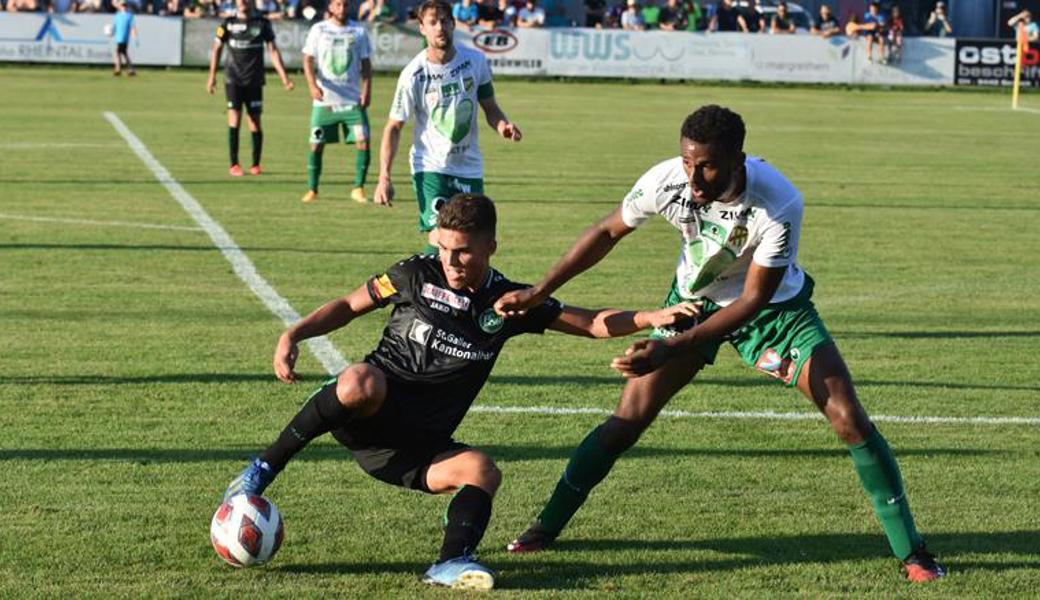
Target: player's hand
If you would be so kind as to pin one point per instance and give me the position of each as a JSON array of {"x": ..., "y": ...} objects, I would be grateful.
[
  {"x": 289, "y": 85},
  {"x": 384, "y": 193},
  {"x": 285, "y": 355},
  {"x": 211, "y": 85},
  {"x": 517, "y": 302},
  {"x": 666, "y": 317},
  {"x": 642, "y": 357},
  {"x": 509, "y": 131},
  {"x": 317, "y": 94}
]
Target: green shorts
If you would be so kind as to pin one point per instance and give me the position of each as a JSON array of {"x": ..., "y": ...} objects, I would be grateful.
[
  {"x": 432, "y": 190},
  {"x": 777, "y": 341},
  {"x": 326, "y": 122}
]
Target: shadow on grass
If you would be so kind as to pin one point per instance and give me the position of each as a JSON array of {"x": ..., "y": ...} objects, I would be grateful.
[
  {"x": 552, "y": 570},
  {"x": 503, "y": 453}
]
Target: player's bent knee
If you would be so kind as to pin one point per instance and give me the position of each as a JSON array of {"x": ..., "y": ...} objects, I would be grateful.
[
  {"x": 618, "y": 435},
  {"x": 361, "y": 386},
  {"x": 483, "y": 473}
]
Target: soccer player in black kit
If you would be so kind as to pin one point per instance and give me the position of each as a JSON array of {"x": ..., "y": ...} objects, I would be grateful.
[
  {"x": 245, "y": 35},
  {"x": 396, "y": 411}
]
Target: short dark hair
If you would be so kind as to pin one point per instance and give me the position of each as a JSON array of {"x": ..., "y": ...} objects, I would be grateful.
[
  {"x": 469, "y": 213},
  {"x": 716, "y": 126},
  {"x": 441, "y": 6}
]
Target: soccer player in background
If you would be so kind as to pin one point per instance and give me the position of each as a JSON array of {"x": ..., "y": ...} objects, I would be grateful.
[
  {"x": 740, "y": 221},
  {"x": 245, "y": 34},
  {"x": 441, "y": 88},
  {"x": 396, "y": 411},
  {"x": 338, "y": 67},
  {"x": 123, "y": 28}
]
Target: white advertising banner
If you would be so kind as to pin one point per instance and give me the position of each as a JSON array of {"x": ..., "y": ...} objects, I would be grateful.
[
  {"x": 509, "y": 51},
  {"x": 72, "y": 38},
  {"x": 926, "y": 61}
]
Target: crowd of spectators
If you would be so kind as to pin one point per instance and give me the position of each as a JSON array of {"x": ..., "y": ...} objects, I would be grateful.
[{"x": 882, "y": 24}]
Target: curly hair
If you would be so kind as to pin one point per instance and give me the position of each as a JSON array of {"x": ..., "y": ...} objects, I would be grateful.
[
  {"x": 716, "y": 126},
  {"x": 468, "y": 213}
]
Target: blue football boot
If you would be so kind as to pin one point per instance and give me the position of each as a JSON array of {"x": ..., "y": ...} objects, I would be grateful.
[
  {"x": 462, "y": 573},
  {"x": 253, "y": 480}
]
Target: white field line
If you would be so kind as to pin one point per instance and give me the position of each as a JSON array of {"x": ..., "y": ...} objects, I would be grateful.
[
  {"x": 104, "y": 223},
  {"x": 334, "y": 362},
  {"x": 321, "y": 347},
  {"x": 760, "y": 415}
]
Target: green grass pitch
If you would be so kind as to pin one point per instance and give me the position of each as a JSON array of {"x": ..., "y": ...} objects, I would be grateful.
[{"x": 135, "y": 377}]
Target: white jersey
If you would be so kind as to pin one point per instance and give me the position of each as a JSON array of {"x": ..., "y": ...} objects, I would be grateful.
[
  {"x": 338, "y": 52},
  {"x": 720, "y": 240},
  {"x": 444, "y": 100}
]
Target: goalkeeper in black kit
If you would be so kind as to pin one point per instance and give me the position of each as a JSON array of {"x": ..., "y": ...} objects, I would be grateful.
[{"x": 396, "y": 410}]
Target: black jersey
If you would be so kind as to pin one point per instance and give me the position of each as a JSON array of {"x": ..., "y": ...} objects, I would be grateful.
[
  {"x": 444, "y": 341},
  {"x": 245, "y": 40}
]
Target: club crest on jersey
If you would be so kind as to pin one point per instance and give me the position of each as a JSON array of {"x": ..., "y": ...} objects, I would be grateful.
[
  {"x": 490, "y": 321},
  {"x": 771, "y": 363},
  {"x": 420, "y": 332},
  {"x": 432, "y": 292}
]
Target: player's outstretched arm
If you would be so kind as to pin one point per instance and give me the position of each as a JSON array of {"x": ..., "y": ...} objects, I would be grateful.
[
  {"x": 591, "y": 247},
  {"x": 384, "y": 193},
  {"x": 610, "y": 322},
  {"x": 279, "y": 66},
  {"x": 330, "y": 317},
  {"x": 214, "y": 60},
  {"x": 498, "y": 120},
  {"x": 647, "y": 355}
]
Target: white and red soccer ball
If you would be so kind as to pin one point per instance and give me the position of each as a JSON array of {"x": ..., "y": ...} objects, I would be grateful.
[{"x": 246, "y": 530}]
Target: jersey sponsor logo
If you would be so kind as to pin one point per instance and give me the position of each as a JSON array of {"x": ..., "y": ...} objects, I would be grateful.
[
  {"x": 236, "y": 27},
  {"x": 432, "y": 292},
  {"x": 440, "y": 307},
  {"x": 457, "y": 347},
  {"x": 735, "y": 215},
  {"x": 490, "y": 321},
  {"x": 383, "y": 287},
  {"x": 738, "y": 237},
  {"x": 420, "y": 332}
]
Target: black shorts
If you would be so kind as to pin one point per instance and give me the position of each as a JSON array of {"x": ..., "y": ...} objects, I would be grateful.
[
  {"x": 121, "y": 48},
  {"x": 250, "y": 96},
  {"x": 389, "y": 449}
]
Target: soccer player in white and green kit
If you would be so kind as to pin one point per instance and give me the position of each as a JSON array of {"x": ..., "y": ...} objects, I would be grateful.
[
  {"x": 740, "y": 221},
  {"x": 441, "y": 88},
  {"x": 338, "y": 68}
]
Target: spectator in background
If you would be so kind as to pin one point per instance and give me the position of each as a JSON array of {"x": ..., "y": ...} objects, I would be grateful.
[
  {"x": 62, "y": 6},
  {"x": 727, "y": 18},
  {"x": 896, "y": 27},
  {"x": 781, "y": 23},
  {"x": 488, "y": 14},
  {"x": 22, "y": 6},
  {"x": 696, "y": 15},
  {"x": 375, "y": 10},
  {"x": 651, "y": 14},
  {"x": 1026, "y": 17},
  {"x": 673, "y": 16},
  {"x": 938, "y": 24},
  {"x": 530, "y": 16},
  {"x": 826, "y": 25},
  {"x": 632, "y": 19},
  {"x": 595, "y": 13},
  {"x": 874, "y": 25},
  {"x": 123, "y": 29},
  {"x": 173, "y": 8},
  {"x": 613, "y": 17},
  {"x": 756, "y": 18},
  {"x": 465, "y": 13},
  {"x": 270, "y": 9}
]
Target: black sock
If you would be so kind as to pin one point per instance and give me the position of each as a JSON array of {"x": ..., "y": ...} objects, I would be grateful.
[
  {"x": 232, "y": 140},
  {"x": 321, "y": 414},
  {"x": 465, "y": 521},
  {"x": 258, "y": 146}
]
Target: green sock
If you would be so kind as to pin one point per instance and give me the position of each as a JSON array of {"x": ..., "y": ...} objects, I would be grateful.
[
  {"x": 364, "y": 158},
  {"x": 879, "y": 474},
  {"x": 313, "y": 170},
  {"x": 588, "y": 466}
]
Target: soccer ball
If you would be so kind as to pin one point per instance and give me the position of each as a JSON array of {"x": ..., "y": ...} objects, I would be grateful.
[{"x": 246, "y": 530}]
